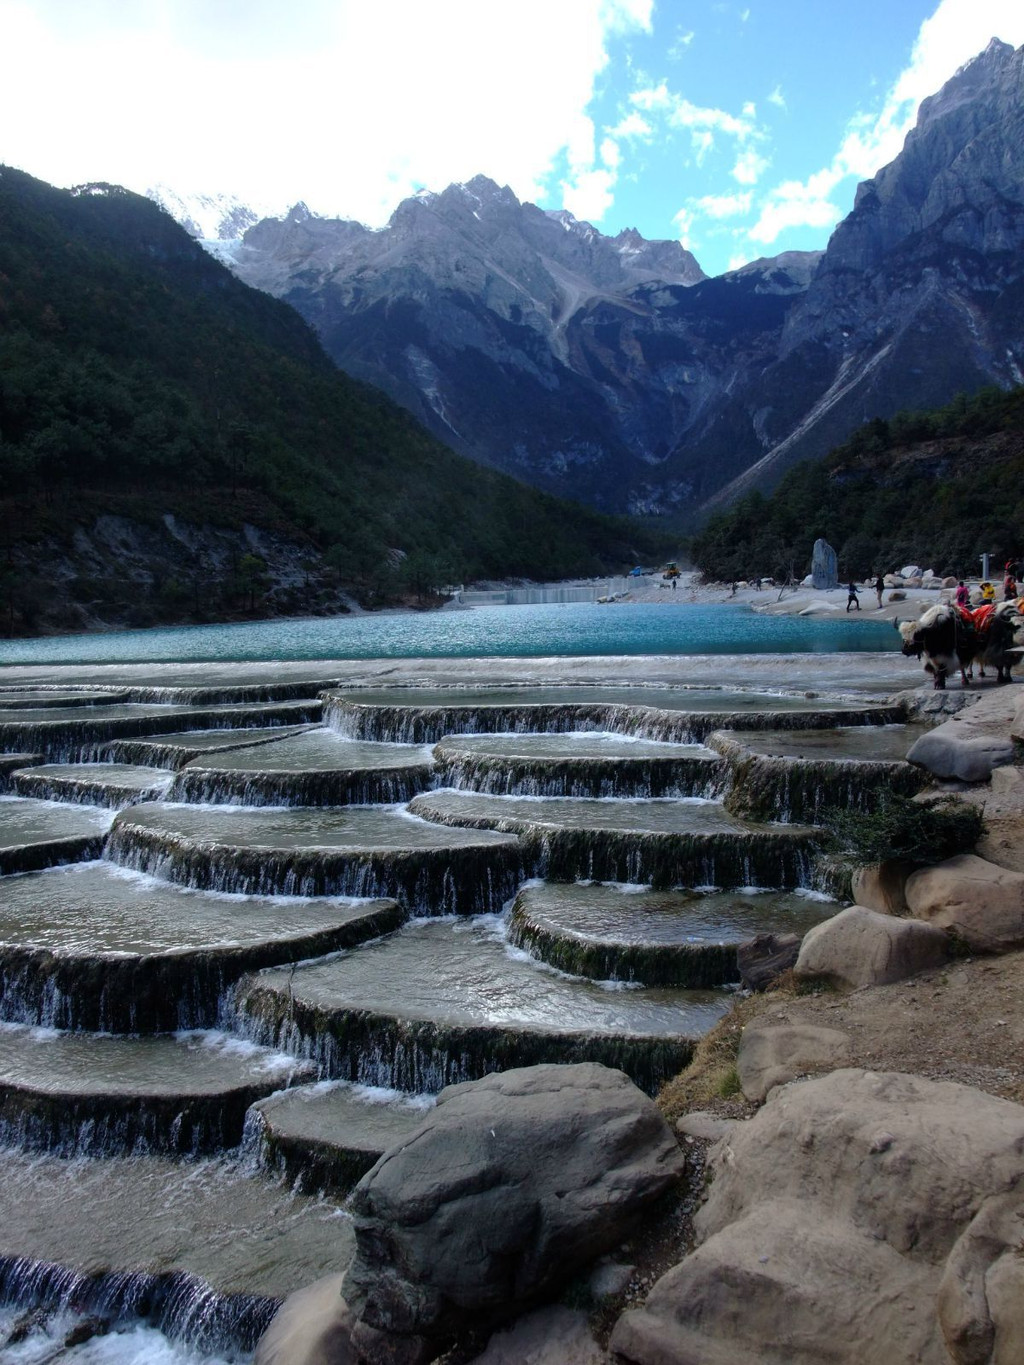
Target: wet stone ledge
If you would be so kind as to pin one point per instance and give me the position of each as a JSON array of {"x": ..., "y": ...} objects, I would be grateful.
[
  {"x": 36, "y": 834},
  {"x": 87, "y": 1095},
  {"x": 574, "y": 764},
  {"x": 315, "y": 768},
  {"x": 78, "y": 735},
  {"x": 175, "y": 750},
  {"x": 633, "y": 934},
  {"x": 824, "y": 768},
  {"x": 95, "y": 784},
  {"x": 89, "y": 947},
  {"x": 661, "y": 843},
  {"x": 302, "y": 851},
  {"x": 11, "y": 763}
]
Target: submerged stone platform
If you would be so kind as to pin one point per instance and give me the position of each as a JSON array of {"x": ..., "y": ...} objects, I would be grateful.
[
  {"x": 631, "y": 933},
  {"x": 356, "y": 851},
  {"x": 35, "y": 834},
  {"x": 315, "y": 768},
  {"x": 95, "y": 946},
  {"x": 445, "y": 1001},
  {"x": 82, "y": 1094},
  {"x": 95, "y": 784}
]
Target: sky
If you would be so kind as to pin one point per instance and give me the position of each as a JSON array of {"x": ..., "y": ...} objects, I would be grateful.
[{"x": 738, "y": 127}]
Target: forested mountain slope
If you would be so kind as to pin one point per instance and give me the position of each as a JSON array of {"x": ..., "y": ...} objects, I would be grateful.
[{"x": 149, "y": 398}]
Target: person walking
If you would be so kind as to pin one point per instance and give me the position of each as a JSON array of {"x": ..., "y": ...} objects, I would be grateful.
[
  {"x": 879, "y": 589},
  {"x": 852, "y": 599},
  {"x": 963, "y": 595}
]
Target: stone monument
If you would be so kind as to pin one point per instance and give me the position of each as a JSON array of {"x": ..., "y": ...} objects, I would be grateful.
[{"x": 824, "y": 566}]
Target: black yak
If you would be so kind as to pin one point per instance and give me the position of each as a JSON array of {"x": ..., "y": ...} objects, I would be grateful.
[{"x": 950, "y": 637}]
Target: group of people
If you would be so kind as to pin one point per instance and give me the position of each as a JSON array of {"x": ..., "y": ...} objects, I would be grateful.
[{"x": 963, "y": 594}]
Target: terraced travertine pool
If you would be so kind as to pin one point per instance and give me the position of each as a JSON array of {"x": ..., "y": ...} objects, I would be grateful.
[{"x": 246, "y": 936}]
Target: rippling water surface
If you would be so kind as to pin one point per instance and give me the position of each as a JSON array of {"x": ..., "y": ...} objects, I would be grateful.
[{"x": 578, "y": 629}]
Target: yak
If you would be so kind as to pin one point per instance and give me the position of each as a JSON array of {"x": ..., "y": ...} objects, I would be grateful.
[{"x": 948, "y": 637}]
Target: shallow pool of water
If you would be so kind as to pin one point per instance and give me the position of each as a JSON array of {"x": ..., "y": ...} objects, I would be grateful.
[{"x": 582, "y": 628}]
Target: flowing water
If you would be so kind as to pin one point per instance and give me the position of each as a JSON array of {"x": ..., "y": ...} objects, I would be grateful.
[{"x": 484, "y": 632}]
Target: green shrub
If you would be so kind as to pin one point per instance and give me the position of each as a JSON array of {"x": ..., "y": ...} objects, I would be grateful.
[{"x": 900, "y": 827}]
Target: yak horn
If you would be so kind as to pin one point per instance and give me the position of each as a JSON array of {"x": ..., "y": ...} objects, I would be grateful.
[{"x": 895, "y": 623}]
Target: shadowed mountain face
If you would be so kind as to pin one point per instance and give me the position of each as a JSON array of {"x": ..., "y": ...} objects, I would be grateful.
[{"x": 612, "y": 370}]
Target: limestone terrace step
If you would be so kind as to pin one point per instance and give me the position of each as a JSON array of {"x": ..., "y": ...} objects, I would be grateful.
[
  {"x": 450, "y": 1000},
  {"x": 355, "y": 850},
  {"x": 329, "y": 1135},
  {"x": 36, "y": 834},
  {"x": 97, "y": 1094},
  {"x": 609, "y": 931},
  {"x": 315, "y": 768},
  {"x": 93, "y": 946},
  {"x": 203, "y": 1249},
  {"x": 176, "y": 749},
  {"x": 94, "y": 784}
]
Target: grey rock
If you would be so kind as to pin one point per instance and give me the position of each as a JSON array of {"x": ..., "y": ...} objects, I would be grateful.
[
  {"x": 608, "y": 1281},
  {"x": 981, "y": 1296},
  {"x": 509, "y": 1187},
  {"x": 824, "y": 566},
  {"x": 701, "y": 1125},
  {"x": 953, "y": 750},
  {"x": 773, "y": 1054},
  {"x": 765, "y": 957},
  {"x": 982, "y": 903},
  {"x": 860, "y": 947},
  {"x": 548, "y": 1336},
  {"x": 312, "y": 1327}
]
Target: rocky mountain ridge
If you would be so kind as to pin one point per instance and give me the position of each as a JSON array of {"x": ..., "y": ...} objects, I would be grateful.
[{"x": 612, "y": 370}]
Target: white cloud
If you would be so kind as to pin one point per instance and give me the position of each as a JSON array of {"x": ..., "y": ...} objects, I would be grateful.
[
  {"x": 590, "y": 195},
  {"x": 683, "y": 221},
  {"x": 347, "y": 105},
  {"x": 777, "y": 98},
  {"x": 724, "y": 205},
  {"x": 957, "y": 31},
  {"x": 634, "y": 125},
  {"x": 750, "y": 166},
  {"x": 737, "y": 262},
  {"x": 680, "y": 44}
]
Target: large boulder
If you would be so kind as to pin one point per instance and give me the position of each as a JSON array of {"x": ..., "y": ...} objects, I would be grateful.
[
  {"x": 509, "y": 1186},
  {"x": 824, "y": 566},
  {"x": 763, "y": 959},
  {"x": 312, "y": 1327},
  {"x": 955, "y": 750},
  {"x": 860, "y": 947},
  {"x": 982, "y": 903},
  {"x": 772, "y": 1054},
  {"x": 827, "y": 1228}
]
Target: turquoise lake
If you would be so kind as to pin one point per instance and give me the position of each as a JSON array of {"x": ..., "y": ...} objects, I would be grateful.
[{"x": 576, "y": 629}]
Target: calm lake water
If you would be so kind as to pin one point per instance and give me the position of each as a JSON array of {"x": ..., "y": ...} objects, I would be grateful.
[{"x": 576, "y": 629}]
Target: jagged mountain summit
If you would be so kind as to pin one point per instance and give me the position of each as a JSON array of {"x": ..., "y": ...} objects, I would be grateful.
[{"x": 612, "y": 370}]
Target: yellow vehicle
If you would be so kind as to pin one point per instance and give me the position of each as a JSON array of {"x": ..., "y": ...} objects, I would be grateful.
[{"x": 671, "y": 570}]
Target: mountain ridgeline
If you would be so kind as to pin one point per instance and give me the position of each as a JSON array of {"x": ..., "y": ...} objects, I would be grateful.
[
  {"x": 611, "y": 370},
  {"x": 936, "y": 488},
  {"x": 149, "y": 399}
]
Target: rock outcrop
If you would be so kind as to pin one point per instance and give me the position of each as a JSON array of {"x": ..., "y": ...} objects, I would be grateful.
[
  {"x": 832, "y": 1220},
  {"x": 555, "y": 1166},
  {"x": 772, "y": 1054}
]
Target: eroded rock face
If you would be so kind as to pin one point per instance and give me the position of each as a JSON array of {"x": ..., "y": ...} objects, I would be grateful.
[
  {"x": 511, "y": 1184},
  {"x": 982, "y": 903},
  {"x": 881, "y": 886},
  {"x": 860, "y": 947},
  {"x": 829, "y": 1221}
]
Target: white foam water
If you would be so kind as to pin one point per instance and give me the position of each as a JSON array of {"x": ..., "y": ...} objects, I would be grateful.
[{"x": 128, "y": 1344}]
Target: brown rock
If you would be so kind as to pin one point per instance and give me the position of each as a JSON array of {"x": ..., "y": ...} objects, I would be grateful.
[
  {"x": 982, "y": 903},
  {"x": 880, "y": 886},
  {"x": 765, "y": 957},
  {"x": 772, "y": 1054},
  {"x": 860, "y": 947},
  {"x": 310, "y": 1328}
]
